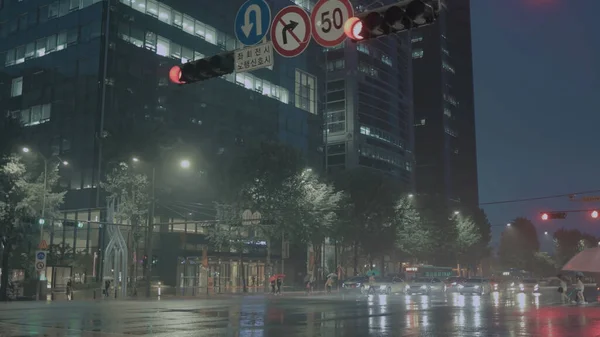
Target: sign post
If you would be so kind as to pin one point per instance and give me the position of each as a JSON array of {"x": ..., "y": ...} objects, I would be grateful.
[
  {"x": 40, "y": 267},
  {"x": 254, "y": 57},
  {"x": 252, "y": 22},
  {"x": 328, "y": 18},
  {"x": 290, "y": 31}
]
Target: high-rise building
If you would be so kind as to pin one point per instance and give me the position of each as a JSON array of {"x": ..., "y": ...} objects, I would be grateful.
[
  {"x": 445, "y": 145},
  {"x": 369, "y": 105},
  {"x": 81, "y": 72}
]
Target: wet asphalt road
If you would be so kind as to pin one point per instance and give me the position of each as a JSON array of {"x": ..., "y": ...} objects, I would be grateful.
[{"x": 293, "y": 315}]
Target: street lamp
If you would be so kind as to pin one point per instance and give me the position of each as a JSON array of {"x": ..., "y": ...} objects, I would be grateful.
[
  {"x": 456, "y": 212},
  {"x": 135, "y": 159},
  {"x": 185, "y": 163},
  {"x": 508, "y": 225},
  {"x": 546, "y": 233},
  {"x": 411, "y": 195}
]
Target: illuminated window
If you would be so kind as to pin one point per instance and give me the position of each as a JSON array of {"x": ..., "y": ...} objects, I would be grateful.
[
  {"x": 16, "y": 88},
  {"x": 162, "y": 46},
  {"x": 305, "y": 89},
  {"x": 386, "y": 59},
  {"x": 417, "y": 53}
]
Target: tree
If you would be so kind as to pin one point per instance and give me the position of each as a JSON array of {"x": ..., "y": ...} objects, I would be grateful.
[
  {"x": 319, "y": 204},
  {"x": 413, "y": 237},
  {"x": 569, "y": 242},
  {"x": 485, "y": 229},
  {"x": 20, "y": 198},
  {"x": 370, "y": 218},
  {"x": 230, "y": 232},
  {"x": 468, "y": 239},
  {"x": 265, "y": 178},
  {"x": 130, "y": 193},
  {"x": 544, "y": 264},
  {"x": 518, "y": 245}
]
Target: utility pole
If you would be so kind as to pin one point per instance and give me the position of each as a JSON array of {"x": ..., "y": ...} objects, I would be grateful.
[{"x": 149, "y": 232}]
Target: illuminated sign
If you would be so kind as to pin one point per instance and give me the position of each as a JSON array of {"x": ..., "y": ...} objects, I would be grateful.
[{"x": 412, "y": 269}]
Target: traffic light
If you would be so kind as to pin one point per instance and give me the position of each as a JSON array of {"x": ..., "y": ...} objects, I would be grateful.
[
  {"x": 203, "y": 69},
  {"x": 554, "y": 215},
  {"x": 154, "y": 260},
  {"x": 399, "y": 17},
  {"x": 594, "y": 214}
]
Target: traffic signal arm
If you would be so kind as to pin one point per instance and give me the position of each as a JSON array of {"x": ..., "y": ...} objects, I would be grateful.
[
  {"x": 396, "y": 18},
  {"x": 203, "y": 69}
]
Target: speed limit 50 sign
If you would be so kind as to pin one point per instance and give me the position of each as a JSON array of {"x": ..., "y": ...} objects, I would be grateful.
[{"x": 328, "y": 18}]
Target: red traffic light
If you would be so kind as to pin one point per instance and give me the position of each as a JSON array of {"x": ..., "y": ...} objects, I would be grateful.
[
  {"x": 175, "y": 75},
  {"x": 353, "y": 28},
  {"x": 544, "y": 216},
  {"x": 594, "y": 214}
]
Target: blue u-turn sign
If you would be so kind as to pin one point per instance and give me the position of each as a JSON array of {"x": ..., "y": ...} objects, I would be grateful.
[{"x": 252, "y": 22}]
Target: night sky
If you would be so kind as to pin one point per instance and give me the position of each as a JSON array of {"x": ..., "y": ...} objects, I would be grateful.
[{"x": 537, "y": 106}]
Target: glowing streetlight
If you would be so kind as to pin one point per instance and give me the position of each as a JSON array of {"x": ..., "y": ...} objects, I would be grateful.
[
  {"x": 135, "y": 159},
  {"x": 546, "y": 233},
  {"x": 25, "y": 149},
  {"x": 185, "y": 163},
  {"x": 410, "y": 195},
  {"x": 508, "y": 225},
  {"x": 456, "y": 212},
  {"x": 65, "y": 163}
]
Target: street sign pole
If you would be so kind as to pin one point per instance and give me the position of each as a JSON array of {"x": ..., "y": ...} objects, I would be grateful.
[{"x": 40, "y": 267}]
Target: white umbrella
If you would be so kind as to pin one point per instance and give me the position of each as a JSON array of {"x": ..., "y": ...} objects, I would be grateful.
[{"x": 586, "y": 261}]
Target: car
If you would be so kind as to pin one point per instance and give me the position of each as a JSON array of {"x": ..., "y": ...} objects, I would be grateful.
[
  {"x": 386, "y": 285},
  {"x": 529, "y": 286},
  {"x": 452, "y": 283},
  {"x": 424, "y": 285},
  {"x": 354, "y": 283},
  {"x": 479, "y": 286}
]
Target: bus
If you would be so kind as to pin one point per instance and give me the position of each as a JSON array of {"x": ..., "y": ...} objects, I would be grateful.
[{"x": 428, "y": 271}]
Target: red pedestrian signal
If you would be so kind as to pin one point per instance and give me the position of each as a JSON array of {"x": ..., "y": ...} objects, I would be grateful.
[
  {"x": 396, "y": 18},
  {"x": 594, "y": 214},
  {"x": 175, "y": 75},
  {"x": 544, "y": 216}
]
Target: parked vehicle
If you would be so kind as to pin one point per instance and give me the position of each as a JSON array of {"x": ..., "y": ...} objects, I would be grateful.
[
  {"x": 354, "y": 284},
  {"x": 452, "y": 283}
]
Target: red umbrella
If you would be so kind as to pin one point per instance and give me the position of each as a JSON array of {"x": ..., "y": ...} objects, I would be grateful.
[{"x": 276, "y": 276}]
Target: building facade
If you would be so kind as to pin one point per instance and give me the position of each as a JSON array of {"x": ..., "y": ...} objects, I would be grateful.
[
  {"x": 369, "y": 112},
  {"x": 445, "y": 144},
  {"x": 79, "y": 73}
]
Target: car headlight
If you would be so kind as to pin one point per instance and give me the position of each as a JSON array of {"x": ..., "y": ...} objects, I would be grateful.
[
  {"x": 423, "y": 287},
  {"x": 512, "y": 284},
  {"x": 358, "y": 285},
  {"x": 476, "y": 287},
  {"x": 382, "y": 287},
  {"x": 537, "y": 286},
  {"x": 407, "y": 287},
  {"x": 453, "y": 283},
  {"x": 521, "y": 286},
  {"x": 461, "y": 286}
]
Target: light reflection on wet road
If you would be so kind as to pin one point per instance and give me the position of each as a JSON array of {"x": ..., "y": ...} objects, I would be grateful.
[{"x": 289, "y": 316}]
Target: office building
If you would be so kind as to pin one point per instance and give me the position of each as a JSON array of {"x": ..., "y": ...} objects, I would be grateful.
[
  {"x": 445, "y": 145},
  {"x": 369, "y": 106},
  {"x": 81, "y": 72}
]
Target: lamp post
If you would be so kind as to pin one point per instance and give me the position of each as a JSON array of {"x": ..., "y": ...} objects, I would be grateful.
[{"x": 185, "y": 164}]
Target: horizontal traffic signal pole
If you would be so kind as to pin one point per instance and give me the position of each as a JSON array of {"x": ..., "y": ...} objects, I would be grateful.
[
  {"x": 399, "y": 17},
  {"x": 203, "y": 69}
]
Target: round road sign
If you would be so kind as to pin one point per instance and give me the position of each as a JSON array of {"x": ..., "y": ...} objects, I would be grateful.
[
  {"x": 41, "y": 255},
  {"x": 290, "y": 31},
  {"x": 40, "y": 265},
  {"x": 328, "y": 18}
]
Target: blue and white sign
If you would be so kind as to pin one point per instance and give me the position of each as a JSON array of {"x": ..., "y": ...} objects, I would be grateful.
[
  {"x": 40, "y": 260},
  {"x": 252, "y": 22},
  {"x": 41, "y": 255}
]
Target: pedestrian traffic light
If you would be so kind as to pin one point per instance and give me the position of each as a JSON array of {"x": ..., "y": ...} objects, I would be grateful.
[
  {"x": 203, "y": 69},
  {"x": 594, "y": 214},
  {"x": 399, "y": 17},
  {"x": 553, "y": 215}
]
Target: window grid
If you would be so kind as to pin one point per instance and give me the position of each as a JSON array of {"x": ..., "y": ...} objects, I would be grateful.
[{"x": 305, "y": 91}]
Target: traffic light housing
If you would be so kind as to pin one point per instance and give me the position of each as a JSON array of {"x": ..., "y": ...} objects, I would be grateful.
[
  {"x": 399, "y": 17},
  {"x": 203, "y": 69},
  {"x": 553, "y": 215}
]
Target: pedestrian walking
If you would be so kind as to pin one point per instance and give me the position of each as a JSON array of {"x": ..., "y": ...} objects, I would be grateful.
[
  {"x": 329, "y": 284},
  {"x": 272, "y": 286},
  {"x": 579, "y": 288},
  {"x": 562, "y": 289},
  {"x": 279, "y": 283},
  {"x": 106, "y": 288},
  {"x": 69, "y": 291}
]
